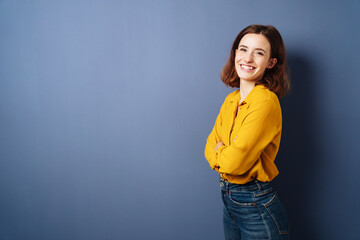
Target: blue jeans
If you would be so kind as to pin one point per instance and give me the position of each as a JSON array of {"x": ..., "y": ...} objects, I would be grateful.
[{"x": 253, "y": 211}]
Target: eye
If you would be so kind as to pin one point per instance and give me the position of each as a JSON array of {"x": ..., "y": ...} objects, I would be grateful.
[
  {"x": 260, "y": 53},
  {"x": 241, "y": 50}
]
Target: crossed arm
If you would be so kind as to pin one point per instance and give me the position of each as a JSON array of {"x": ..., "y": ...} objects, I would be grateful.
[{"x": 260, "y": 126}]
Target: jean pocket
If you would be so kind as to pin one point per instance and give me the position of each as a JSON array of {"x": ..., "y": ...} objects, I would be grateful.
[
  {"x": 278, "y": 214},
  {"x": 244, "y": 199}
]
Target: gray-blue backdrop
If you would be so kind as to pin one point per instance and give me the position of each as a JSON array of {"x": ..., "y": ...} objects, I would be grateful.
[{"x": 105, "y": 107}]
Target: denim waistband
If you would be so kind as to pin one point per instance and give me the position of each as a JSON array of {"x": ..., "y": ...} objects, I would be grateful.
[{"x": 253, "y": 185}]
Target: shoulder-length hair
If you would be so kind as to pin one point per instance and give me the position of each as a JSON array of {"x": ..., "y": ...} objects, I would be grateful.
[{"x": 276, "y": 79}]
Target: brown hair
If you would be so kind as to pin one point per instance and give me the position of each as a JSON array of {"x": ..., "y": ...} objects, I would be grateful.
[{"x": 276, "y": 79}]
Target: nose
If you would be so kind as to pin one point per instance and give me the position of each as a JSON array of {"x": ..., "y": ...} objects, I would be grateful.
[{"x": 248, "y": 57}]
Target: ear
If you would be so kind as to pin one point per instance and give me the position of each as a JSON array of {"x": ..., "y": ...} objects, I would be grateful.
[{"x": 272, "y": 63}]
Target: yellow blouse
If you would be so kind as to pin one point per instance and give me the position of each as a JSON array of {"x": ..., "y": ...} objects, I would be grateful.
[{"x": 251, "y": 136}]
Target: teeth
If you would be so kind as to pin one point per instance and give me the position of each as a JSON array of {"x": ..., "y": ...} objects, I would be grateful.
[{"x": 247, "y": 67}]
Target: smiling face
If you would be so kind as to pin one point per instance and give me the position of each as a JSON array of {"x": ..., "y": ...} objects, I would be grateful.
[{"x": 252, "y": 57}]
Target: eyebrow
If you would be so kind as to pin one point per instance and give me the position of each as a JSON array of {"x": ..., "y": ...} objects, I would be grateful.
[{"x": 255, "y": 48}]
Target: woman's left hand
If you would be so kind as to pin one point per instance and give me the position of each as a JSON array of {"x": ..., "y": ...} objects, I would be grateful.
[{"x": 219, "y": 144}]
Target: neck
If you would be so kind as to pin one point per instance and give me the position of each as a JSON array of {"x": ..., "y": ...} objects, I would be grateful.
[{"x": 245, "y": 88}]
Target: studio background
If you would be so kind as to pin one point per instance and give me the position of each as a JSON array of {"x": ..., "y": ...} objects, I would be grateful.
[{"x": 105, "y": 107}]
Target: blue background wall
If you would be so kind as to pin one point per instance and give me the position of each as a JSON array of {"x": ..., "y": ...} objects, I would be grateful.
[{"x": 105, "y": 107}]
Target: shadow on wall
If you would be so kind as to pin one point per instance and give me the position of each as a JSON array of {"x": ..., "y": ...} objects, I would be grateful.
[{"x": 298, "y": 149}]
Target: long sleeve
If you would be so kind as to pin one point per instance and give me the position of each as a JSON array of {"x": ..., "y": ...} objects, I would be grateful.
[
  {"x": 261, "y": 125},
  {"x": 213, "y": 139}
]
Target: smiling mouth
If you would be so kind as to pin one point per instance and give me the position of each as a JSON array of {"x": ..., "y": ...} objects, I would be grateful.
[{"x": 247, "y": 67}]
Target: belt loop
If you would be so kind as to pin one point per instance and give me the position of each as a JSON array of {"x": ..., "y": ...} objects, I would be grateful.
[{"x": 258, "y": 184}]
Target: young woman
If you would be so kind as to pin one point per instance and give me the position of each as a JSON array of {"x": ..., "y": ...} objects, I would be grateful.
[{"x": 245, "y": 139}]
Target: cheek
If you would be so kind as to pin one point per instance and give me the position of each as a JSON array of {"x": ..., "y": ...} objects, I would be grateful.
[
  {"x": 263, "y": 64},
  {"x": 236, "y": 62}
]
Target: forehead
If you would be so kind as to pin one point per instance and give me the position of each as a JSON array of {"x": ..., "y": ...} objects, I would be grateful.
[{"x": 253, "y": 40}]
